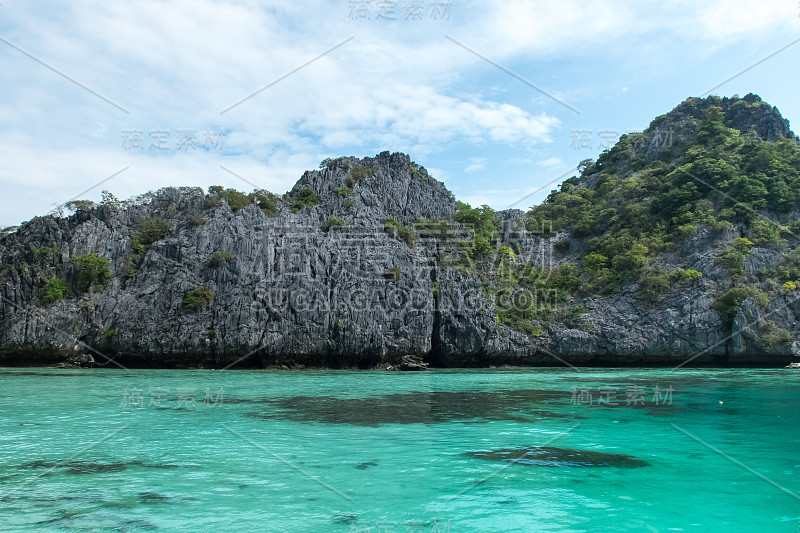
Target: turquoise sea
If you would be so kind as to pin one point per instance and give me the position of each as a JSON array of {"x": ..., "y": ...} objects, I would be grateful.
[{"x": 340, "y": 451}]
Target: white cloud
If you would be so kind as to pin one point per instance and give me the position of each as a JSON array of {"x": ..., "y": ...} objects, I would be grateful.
[
  {"x": 551, "y": 162},
  {"x": 60, "y": 175},
  {"x": 476, "y": 164},
  {"x": 400, "y": 85},
  {"x": 721, "y": 20},
  {"x": 515, "y": 27}
]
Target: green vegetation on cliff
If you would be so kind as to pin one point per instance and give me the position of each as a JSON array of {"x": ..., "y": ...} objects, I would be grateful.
[
  {"x": 197, "y": 299},
  {"x": 54, "y": 290},
  {"x": 632, "y": 205},
  {"x": 395, "y": 228},
  {"x": 646, "y": 197},
  {"x": 93, "y": 271},
  {"x": 482, "y": 223},
  {"x": 265, "y": 200},
  {"x": 305, "y": 198}
]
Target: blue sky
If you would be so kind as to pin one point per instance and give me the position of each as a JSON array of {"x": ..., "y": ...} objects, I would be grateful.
[{"x": 83, "y": 82}]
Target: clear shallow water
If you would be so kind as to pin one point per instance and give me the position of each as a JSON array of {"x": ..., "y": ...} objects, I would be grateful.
[{"x": 376, "y": 451}]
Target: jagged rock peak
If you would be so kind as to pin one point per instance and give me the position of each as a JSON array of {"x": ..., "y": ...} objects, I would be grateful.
[
  {"x": 748, "y": 115},
  {"x": 384, "y": 186}
]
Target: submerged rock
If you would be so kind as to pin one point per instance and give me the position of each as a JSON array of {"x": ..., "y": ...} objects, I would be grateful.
[
  {"x": 418, "y": 407},
  {"x": 78, "y": 467},
  {"x": 559, "y": 457},
  {"x": 150, "y": 498},
  {"x": 96, "y": 467},
  {"x": 342, "y": 518}
]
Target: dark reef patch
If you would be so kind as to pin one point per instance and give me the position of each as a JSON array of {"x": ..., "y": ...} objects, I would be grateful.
[
  {"x": 152, "y": 498},
  {"x": 78, "y": 467},
  {"x": 96, "y": 467},
  {"x": 559, "y": 457},
  {"x": 342, "y": 518},
  {"x": 418, "y": 407}
]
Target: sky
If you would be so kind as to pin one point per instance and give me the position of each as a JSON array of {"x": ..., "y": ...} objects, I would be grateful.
[{"x": 500, "y": 100}]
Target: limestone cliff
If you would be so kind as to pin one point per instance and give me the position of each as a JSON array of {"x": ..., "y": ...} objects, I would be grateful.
[{"x": 368, "y": 260}]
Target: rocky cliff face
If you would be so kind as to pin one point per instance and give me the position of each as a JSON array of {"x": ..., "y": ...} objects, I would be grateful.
[
  {"x": 362, "y": 265},
  {"x": 288, "y": 290},
  {"x": 750, "y": 115}
]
